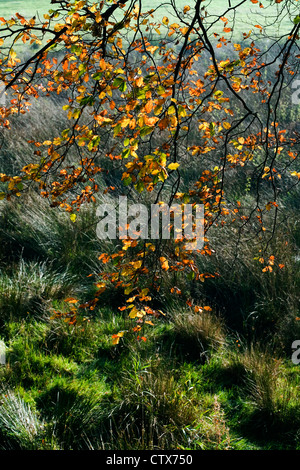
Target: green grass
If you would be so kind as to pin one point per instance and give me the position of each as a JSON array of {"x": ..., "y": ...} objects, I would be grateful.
[{"x": 136, "y": 396}]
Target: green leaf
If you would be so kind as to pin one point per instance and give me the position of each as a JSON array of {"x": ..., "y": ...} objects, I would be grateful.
[
  {"x": 65, "y": 133},
  {"x": 126, "y": 153},
  {"x": 141, "y": 93},
  {"x": 146, "y": 130},
  {"x": 94, "y": 142},
  {"x": 117, "y": 129},
  {"x": 127, "y": 181},
  {"x": 120, "y": 83},
  {"x": 297, "y": 19},
  {"x": 97, "y": 75},
  {"x": 90, "y": 100},
  {"x": 123, "y": 86},
  {"x": 140, "y": 186}
]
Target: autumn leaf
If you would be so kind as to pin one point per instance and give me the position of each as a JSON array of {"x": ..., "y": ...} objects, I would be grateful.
[
  {"x": 71, "y": 300},
  {"x": 173, "y": 166},
  {"x": 164, "y": 263}
]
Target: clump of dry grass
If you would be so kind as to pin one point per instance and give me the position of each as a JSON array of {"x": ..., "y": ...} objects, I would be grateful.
[
  {"x": 271, "y": 398},
  {"x": 198, "y": 334},
  {"x": 265, "y": 382}
]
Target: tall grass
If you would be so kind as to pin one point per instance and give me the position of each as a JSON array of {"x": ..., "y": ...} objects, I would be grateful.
[
  {"x": 197, "y": 335},
  {"x": 271, "y": 398},
  {"x": 259, "y": 305},
  {"x": 150, "y": 410},
  {"x": 20, "y": 427},
  {"x": 73, "y": 412}
]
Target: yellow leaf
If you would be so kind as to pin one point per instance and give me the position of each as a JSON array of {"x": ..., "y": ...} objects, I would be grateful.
[
  {"x": 73, "y": 217},
  {"x": 145, "y": 291},
  {"x": 13, "y": 54},
  {"x": 171, "y": 110},
  {"x": 173, "y": 166},
  {"x": 133, "y": 313},
  {"x": 137, "y": 264}
]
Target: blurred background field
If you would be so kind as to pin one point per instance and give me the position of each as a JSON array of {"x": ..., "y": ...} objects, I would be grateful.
[{"x": 244, "y": 19}]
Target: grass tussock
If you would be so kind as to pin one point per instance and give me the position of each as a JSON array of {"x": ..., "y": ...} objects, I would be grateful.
[
  {"x": 198, "y": 334},
  {"x": 20, "y": 427}
]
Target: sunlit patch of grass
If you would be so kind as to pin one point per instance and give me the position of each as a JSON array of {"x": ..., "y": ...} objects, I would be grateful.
[
  {"x": 73, "y": 411},
  {"x": 29, "y": 366}
]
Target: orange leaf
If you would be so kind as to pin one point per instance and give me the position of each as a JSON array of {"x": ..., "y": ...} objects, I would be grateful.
[
  {"x": 164, "y": 263},
  {"x": 149, "y": 106},
  {"x": 115, "y": 339},
  {"x": 139, "y": 82}
]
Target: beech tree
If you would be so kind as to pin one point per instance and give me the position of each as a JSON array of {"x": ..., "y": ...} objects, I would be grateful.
[{"x": 170, "y": 104}]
